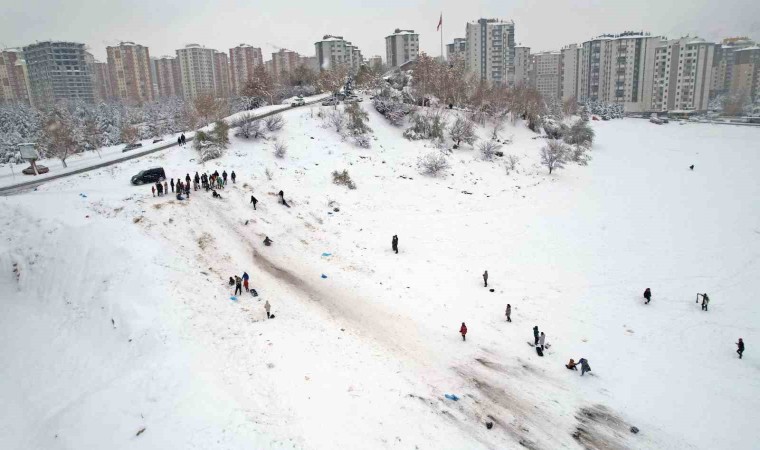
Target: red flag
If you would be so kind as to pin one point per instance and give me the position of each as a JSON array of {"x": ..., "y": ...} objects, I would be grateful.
[{"x": 440, "y": 23}]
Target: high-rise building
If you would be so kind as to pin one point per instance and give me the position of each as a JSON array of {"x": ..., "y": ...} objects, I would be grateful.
[
  {"x": 129, "y": 65},
  {"x": 375, "y": 62},
  {"x": 101, "y": 81},
  {"x": 571, "y": 72},
  {"x": 333, "y": 51},
  {"x": 457, "y": 49},
  {"x": 490, "y": 53},
  {"x": 284, "y": 62},
  {"x": 58, "y": 71},
  {"x": 196, "y": 66},
  {"x": 724, "y": 63},
  {"x": 221, "y": 75},
  {"x": 618, "y": 69},
  {"x": 402, "y": 46},
  {"x": 14, "y": 78},
  {"x": 309, "y": 61},
  {"x": 522, "y": 66},
  {"x": 168, "y": 76},
  {"x": 243, "y": 59},
  {"x": 682, "y": 75},
  {"x": 745, "y": 76},
  {"x": 546, "y": 72}
]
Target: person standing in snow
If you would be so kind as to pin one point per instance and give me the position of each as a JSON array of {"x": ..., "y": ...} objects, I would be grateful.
[
  {"x": 394, "y": 243},
  {"x": 196, "y": 181},
  {"x": 238, "y": 287},
  {"x": 172, "y": 184},
  {"x": 245, "y": 280},
  {"x": 740, "y": 350},
  {"x": 179, "y": 141},
  {"x": 159, "y": 188},
  {"x": 166, "y": 188},
  {"x": 485, "y": 278},
  {"x": 254, "y": 201},
  {"x": 584, "y": 366},
  {"x": 153, "y": 189},
  {"x": 233, "y": 176},
  {"x": 267, "y": 308},
  {"x": 542, "y": 340},
  {"x": 535, "y": 334},
  {"x": 219, "y": 183},
  {"x": 187, "y": 191},
  {"x": 224, "y": 177},
  {"x": 705, "y": 301},
  {"x": 187, "y": 179},
  {"x": 509, "y": 312},
  {"x": 282, "y": 196},
  {"x": 647, "y": 296},
  {"x": 184, "y": 141},
  {"x": 463, "y": 331}
]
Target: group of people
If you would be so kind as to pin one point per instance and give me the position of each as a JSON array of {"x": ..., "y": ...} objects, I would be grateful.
[
  {"x": 181, "y": 141},
  {"x": 241, "y": 282}
]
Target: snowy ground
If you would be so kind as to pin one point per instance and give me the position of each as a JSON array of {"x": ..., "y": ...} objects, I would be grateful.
[{"x": 116, "y": 315}]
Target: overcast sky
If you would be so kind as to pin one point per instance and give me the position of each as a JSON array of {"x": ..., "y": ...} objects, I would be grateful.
[{"x": 165, "y": 25}]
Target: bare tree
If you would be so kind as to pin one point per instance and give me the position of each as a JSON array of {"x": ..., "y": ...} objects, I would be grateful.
[
  {"x": 488, "y": 149},
  {"x": 129, "y": 134},
  {"x": 208, "y": 108},
  {"x": 332, "y": 79},
  {"x": 260, "y": 85},
  {"x": 245, "y": 126},
  {"x": 554, "y": 155},
  {"x": 275, "y": 122},
  {"x": 498, "y": 127},
  {"x": 433, "y": 163},
  {"x": 58, "y": 137},
  {"x": 463, "y": 130},
  {"x": 280, "y": 149},
  {"x": 510, "y": 163},
  {"x": 337, "y": 119}
]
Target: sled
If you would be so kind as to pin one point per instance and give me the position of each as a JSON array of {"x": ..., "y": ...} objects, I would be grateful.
[
  {"x": 254, "y": 293},
  {"x": 451, "y": 397}
]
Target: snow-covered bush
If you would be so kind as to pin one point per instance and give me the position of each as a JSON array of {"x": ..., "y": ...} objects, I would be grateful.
[
  {"x": 343, "y": 179},
  {"x": 207, "y": 147},
  {"x": 363, "y": 141},
  {"x": 129, "y": 134},
  {"x": 392, "y": 109},
  {"x": 463, "y": 130},
  {"x": 510, "y": 163},
  {"x": 357, "y": 120},
  {"x": 336, "y": 119},
  {"x": 245, "y": 126},
  {"x": 433, "y": 163},
  {"x": 488, "y": 149},
  {"x": 430, "y": 125},
  {"x": 553, "y": 128},
  {"x": 578, "y": 154},
  {"x": 579, "y": 134},
  {"x": 275, "y": 122},
  {"x": 280, "y": 149},
  {"x": 220, "y": 133},
  {"x": 554, "y": 155}
]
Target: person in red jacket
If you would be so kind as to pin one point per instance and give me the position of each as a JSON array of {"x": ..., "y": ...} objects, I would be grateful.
[{"x": 463, "y": 331}]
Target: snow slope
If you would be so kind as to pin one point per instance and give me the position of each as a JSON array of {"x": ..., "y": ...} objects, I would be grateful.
[{"x": 363, "y": 358}]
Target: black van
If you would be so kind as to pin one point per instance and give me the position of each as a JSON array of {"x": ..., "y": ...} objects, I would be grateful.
[{"x": 149, "y": 176}]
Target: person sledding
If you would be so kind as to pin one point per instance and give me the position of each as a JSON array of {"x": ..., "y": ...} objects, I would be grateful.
[{"x": 572, "y": 365}]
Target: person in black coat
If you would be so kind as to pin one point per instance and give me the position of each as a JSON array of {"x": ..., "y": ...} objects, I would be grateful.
[
  {"x": 647, "y": 296},
  {"x": 740, "y": 350},
  {"x": 254, "y": 201},
  {"x": 197, "y": 181},
  {"x": 394, "y": 243},
  {"x": 535, "y": 334},
  {"x": 224, "y": 176},
  {"x": 184, "y": 141},
  {"x": 179, "y": 141},
  {"x": 233, "y": 176}
]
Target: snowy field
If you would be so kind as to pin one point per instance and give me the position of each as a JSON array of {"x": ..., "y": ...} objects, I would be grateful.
[{"x": 116, "y": 315}]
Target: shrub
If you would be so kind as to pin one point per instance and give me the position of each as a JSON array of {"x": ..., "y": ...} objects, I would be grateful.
[
  {"x": 554, "y": 155},
  {"x": 363, "y": 141},
  {"x": 280, "y": 149},
  {"x": 430, "y": 125},
  {"x": 463, "y": 130},
  {"x": 432, "y": 163},
  {"x": 357, "y": 119},
  {"x": 220, "y": 133},
  {"x": 337, "y": 119},
  {"x": 343, "y": 179},
  {"x": 580, "y": 134},
  {"x": 275, "y": 122},
  {"x": 488, "y": 149},
  {"x": 511, "y": 163},
  {"x": 392, "y": 109}
]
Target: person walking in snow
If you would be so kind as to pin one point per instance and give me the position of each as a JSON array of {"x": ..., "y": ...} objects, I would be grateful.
[
  {"x": 238, "y": 286},
  {"x": 535, "y": 334},
  {"x": 172, "y": 184},
  {"x": 394, "y": 243},
  {"x": 233, "y": 176},
  {"x": 224, "y": 176},
  {"x": 463, "y": 331},
  {"x": 267, "y": 308},
  {"x": 647, "y": 296},
  {"x": 509, "y": 312},
  {"x": 740, "y": 348},
  {"x": 197, "y": 182},
  {"x": 166, "y": 188},
  {"x": 542, "y": 340},
  {"x": 254, "y": 201},
  {"x": 485, "y": 278},
  {"x": 179, "y": 141},
  {"x": 184, "y": 141},
  {"x": 153, "y": 189},
  {"x": 584, "y": 366},
  {"x": 245, "y": 280},
  {"x": 705, "y": 301}
]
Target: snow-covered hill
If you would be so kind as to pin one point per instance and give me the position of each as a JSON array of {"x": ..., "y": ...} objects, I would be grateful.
[{"x": 116, "y": 315}]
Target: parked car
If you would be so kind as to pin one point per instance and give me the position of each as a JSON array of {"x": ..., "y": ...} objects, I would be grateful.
[
  {"x": 332, "y": 101},
  {"x": 40, "y": 169},
  {"x": 655, "y": 120},
  {"x": 149, "y": 176},
  {"x": 299, "y": 101},
  {"x": 129, "y": 147}
]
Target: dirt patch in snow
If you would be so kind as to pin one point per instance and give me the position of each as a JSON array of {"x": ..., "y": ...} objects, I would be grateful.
[{"x": 600, "y": 429}]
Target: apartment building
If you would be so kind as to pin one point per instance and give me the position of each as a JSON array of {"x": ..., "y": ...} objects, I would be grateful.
[
  {"x": 571, "y": 72},
  {"x": 168, "y": 76},
  {"x": 14, "y": 78},
  {"x": 724, "y": 62},
  {"x": 101, "y": 81},
  {"x": 401, "y": 47},
  {"x": 333, "y": 51},
  {"x": 243, "y": 59},
  {"x": 745, "y": 76},
  {"x": 546, "y": 73},
  {"x": 221, "y": 75},
  {"x": 284, "y": 62},
  {"x": 196, "y": 67},
  {"x": 375, "y": 62},
  {"x": 522, "y": 66},
  {"x": 309, "y": 61},
  {"x": 457, "y": 49},
  {"x": 682, "y": 75},
  {"x": 58, "y": 71},
  {"x": 490, "y": 52},
  {"x": 129, "y": 67}
]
